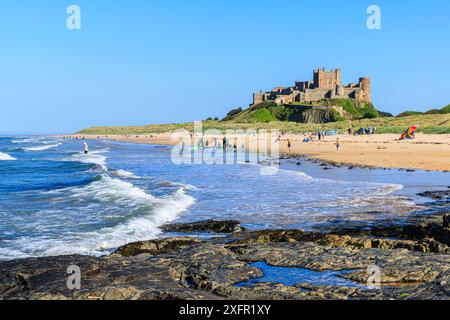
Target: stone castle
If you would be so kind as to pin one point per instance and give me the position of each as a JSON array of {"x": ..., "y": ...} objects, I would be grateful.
[{"x": 326, "y": 85}]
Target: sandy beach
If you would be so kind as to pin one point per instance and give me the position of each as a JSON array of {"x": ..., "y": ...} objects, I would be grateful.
[{"x": 426, "y": 152}]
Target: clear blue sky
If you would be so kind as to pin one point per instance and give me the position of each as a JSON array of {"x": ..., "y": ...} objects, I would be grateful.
[{"x": 151, "y": 61}]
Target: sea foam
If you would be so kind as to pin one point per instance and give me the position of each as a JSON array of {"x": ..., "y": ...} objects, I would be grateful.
[
  {"x": 6, "y": 157},
  {"x": 95, "y": 157},
  {"x": 43, "y": 148},
  {"x": 153, "y": 213}
]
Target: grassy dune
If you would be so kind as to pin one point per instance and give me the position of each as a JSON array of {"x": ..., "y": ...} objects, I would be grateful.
[{"x": 432, "y": 124}]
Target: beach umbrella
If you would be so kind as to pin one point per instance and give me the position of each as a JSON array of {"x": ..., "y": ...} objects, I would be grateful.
[{"x": 409, "y": 134}]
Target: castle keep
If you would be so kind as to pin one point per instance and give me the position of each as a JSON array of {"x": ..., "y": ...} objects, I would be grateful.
[{"x": 326, "y": 85}]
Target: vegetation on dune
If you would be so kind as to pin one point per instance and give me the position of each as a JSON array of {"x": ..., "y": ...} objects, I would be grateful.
[
  {"x": 385, "y": 114},
  {"x": 290, "y": 118},
  {"x": 444, "y": 110},
  {"x": 431, "y": 124},
  {"x": 409, "y": 113},
  {"x": 232, "y": 114}
]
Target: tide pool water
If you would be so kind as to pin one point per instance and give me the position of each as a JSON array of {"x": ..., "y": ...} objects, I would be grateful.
[{"x": 56, "y": 200}]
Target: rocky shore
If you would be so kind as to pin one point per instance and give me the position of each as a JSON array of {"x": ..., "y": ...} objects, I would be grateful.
[{"x": 413, "y": 263}]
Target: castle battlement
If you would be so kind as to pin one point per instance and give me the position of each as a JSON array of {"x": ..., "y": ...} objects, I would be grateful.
[{"x": 325, "y": 85}]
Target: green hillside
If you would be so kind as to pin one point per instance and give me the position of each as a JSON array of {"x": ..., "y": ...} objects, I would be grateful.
[
  {"x": 269, "y": 116},
  {"x": 433, "y": 123},
  {"x": 337, "y": 110},
  {"x": 444, "y": 110}
]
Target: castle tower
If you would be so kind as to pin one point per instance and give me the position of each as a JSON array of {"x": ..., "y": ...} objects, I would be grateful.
[
  {"x": 364, "y": 84},
  {"x": 258, "y": 97},
  {"x": 327, "y": 79},
  {"x": 340, "y": 90}
]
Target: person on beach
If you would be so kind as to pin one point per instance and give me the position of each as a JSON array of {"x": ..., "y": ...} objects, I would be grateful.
[
  {"x": 200, "y": 143},
  {"x": 86, "y": 148},
  {"x": 224, "y": 144},
  {"x": 338, "y": 144},
  {"x": 289, "y": 145}
]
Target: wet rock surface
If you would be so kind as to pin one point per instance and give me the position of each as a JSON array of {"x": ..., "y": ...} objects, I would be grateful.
[
  {"x": 156, "y": 247},
  {"x": 413, "y": 262},
  {"x": 437, "y": 195},
  {"x": 206, "y": 226}
]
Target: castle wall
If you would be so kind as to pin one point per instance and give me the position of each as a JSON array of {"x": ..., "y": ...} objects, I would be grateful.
[
  {"x": 285, "y": 99},
  {"x": 258, "y": 98},
  {"x": 326, "y": 85},
  {"x": 311, "y": 95}
]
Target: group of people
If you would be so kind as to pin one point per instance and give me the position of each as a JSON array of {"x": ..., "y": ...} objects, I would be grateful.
[
  {"x": 203, "y": 143},
  {"x": 363, "y": 131}
]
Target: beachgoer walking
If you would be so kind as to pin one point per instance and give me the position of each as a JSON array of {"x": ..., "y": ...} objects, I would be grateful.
[
  {"x": 289, "y": 145},
  {"x": 338, "y": 144},
  {"x": 86, "y": 148}
]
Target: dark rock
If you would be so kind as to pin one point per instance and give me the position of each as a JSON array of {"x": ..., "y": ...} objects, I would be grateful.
[
  {"x": 446, "y": 222},
  {"x": 437, "y": 195},
  {"x": 413, "y": 264},
  {"x": 206, "y": 226},
  {"x": 156, "y": 247}
]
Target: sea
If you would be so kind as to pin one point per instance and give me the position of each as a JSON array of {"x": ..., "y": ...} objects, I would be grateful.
[{"x": 56, "y": 200}]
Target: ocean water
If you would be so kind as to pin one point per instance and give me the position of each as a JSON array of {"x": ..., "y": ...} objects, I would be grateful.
[{"x": 55, "y": 200}]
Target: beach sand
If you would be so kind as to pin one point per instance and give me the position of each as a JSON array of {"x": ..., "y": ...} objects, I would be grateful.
[{"x": 426, "y": 152}]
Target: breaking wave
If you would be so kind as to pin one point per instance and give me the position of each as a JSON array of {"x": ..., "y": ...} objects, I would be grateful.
[
  {"x": 94, "y": 157},
  {"x": 131, "y": 213},
  {"x": 6, "y": 157},
  {"x": 42, "y": 148},
  {"x": 124, "y": 174},
  {"x": 149, "y": 214}
]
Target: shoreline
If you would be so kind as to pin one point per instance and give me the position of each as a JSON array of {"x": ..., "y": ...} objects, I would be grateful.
[
  {"x": 383, "y": 151},
  {"x": 220, "y": 260},
  {"x": 235, "y": 264}
]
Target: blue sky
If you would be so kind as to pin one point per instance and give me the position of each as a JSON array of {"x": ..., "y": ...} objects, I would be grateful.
[{"x": 152, "y": 61}]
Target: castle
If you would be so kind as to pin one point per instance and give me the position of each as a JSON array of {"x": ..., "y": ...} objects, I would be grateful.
[{"x": 326, "y": 85}]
